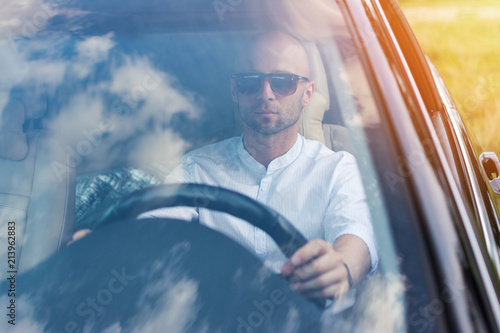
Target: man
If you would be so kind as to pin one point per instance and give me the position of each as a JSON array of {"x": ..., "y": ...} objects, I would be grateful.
[{"x": 317, "y": 189}]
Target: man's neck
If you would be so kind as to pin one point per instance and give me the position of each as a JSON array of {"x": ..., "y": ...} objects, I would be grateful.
[{"x": 265, "y": 148}]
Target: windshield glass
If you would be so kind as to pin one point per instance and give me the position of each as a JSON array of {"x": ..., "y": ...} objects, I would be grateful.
[{"x": 103, "y": 98}]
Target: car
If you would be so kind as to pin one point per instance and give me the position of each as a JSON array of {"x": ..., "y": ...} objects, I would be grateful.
[{"x": 101, "y": 100}]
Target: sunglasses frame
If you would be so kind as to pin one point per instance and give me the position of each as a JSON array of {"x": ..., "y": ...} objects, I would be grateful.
[{"x": 262, "y": 76}]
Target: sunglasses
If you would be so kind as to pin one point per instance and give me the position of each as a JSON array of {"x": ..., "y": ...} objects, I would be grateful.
[{"x": 281, "y": 83}]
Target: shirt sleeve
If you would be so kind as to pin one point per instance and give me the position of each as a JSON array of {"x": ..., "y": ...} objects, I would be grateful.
[
  {"x": 348, "y": 211},
  {"x": 178, "y": 175}
]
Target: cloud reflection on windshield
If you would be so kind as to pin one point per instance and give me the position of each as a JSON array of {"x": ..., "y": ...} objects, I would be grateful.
[
  {"x": 170, "y": 302},
  {"x": 107, "y": 105},
  {"x": 104, "y": 104},
  {"x": 25, "y": 18}
]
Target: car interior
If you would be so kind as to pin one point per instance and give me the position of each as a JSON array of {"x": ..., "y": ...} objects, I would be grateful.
[
  {"x": 30, "y": 151},
  {"x": 64, "y": 167},
  {"x": 37, "y": 186}
]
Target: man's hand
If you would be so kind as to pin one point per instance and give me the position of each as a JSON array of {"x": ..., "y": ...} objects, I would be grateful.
[
  {"x": 79, "y": 235},
  {"x": 318, "y": 269}
]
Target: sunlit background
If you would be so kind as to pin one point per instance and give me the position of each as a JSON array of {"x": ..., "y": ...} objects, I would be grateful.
[{"x": 462, "y": 39}]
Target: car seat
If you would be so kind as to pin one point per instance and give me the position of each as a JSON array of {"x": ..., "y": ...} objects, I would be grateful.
[
  {"x": 37, "y": 185},
  {"x": 334, "y": 136}
]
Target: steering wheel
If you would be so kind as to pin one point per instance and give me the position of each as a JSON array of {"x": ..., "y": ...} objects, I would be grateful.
[
  {"x": 282, "y": 231},
  {"x": 286, "y": 236},
  {"x": 139, "y": 272}
]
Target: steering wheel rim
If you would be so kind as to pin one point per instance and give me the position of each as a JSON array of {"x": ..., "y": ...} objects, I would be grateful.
[{"x": 282, "y": 231}]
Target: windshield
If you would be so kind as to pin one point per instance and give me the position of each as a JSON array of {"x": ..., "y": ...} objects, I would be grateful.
[{"x": 103, "y": 98}]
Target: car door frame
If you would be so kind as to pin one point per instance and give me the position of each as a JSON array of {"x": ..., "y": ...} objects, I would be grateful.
[{"x": 423, "y": 101}]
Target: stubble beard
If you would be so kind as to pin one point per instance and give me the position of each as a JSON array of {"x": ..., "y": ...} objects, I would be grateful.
[{"x": 287, "y": 117}]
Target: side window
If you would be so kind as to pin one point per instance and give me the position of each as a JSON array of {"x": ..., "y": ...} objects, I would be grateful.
[{"x": 468, "y": 175}]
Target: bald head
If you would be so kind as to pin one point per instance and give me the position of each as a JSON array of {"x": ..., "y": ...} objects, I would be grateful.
[{"x": 271, "y": 52}]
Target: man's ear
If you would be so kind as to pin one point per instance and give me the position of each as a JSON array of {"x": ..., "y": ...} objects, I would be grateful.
[
  {"x": 234, "y": 95},
  {"x": 308, "y": 93}
]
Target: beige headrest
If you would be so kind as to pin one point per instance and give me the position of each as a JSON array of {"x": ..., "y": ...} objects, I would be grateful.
[
  {"x": 311, "y": 126},
  {"x": 13, "y": 144},
  {"x": 312, "y": 116},
  {"x": 21, "y": 104}
]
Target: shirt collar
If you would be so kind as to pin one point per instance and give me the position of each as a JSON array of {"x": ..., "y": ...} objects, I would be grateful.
[{"x": 277, "y": 163}]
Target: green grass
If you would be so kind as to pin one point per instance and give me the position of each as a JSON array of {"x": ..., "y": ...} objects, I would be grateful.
[
  {"x": 466, "y": 51},
  {"x": 462, "y": 39},
  {"x": 448, "y": 3}
]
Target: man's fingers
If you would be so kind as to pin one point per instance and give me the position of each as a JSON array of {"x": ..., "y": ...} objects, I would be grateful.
[
  {"x": 322, "y": 281},
  {"x": 317, "y": 270},
  {"x": 305, "y": 254},
  {"x": 312, "y": 249},
  {"x": 321, "y": 265},
  {"x": 332, "y": 291},
  {"x": 79, "y": 234},
  {"x": 287, "y": 269}
]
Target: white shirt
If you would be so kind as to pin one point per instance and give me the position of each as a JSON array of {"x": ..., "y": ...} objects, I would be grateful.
[{"x": 318, "y": 190}]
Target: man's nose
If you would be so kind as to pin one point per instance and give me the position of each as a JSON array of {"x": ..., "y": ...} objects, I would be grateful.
[{"x": 266, "y": 92}]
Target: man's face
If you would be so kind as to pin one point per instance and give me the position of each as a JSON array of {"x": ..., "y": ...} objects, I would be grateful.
[{"x": 266, "y": 111}]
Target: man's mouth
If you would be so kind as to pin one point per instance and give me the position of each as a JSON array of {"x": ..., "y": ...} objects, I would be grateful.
[{"x": 264, "y": 109}]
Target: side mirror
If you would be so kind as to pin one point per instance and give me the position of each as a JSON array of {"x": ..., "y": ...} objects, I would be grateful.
[{"x": 491, "y": 166}]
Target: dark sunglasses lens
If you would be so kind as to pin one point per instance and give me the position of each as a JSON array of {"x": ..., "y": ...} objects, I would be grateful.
[
  {"x": 248, "y": 84},
  {"x": 284, "y": 84}
]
